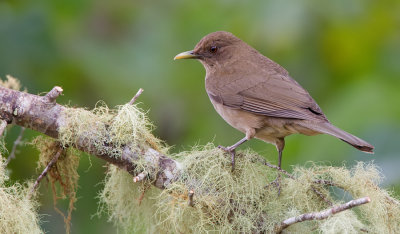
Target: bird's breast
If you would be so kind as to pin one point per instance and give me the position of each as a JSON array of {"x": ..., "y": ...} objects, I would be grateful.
[{"x": 239, "y": 119}]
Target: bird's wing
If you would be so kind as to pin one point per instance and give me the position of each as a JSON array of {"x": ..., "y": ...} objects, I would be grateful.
[{"x": 276, "y": 96}]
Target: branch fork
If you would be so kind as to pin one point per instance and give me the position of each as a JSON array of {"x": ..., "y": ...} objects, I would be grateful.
[{"x": 34, "y": 112}]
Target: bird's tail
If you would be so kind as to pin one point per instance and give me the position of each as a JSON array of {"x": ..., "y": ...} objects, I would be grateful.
[{"x": 354, "y": 141}]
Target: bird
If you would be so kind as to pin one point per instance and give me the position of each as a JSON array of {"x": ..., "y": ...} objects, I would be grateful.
[{"x": 258, "y": 97}]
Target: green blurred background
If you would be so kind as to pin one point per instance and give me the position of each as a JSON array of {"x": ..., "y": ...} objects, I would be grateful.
[{"x": 345, "y": 53}]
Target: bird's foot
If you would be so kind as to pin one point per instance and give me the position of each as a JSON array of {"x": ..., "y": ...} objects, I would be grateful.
[
  {"x": 232, "y": 152},
  {"x": 276, "y": 183}
]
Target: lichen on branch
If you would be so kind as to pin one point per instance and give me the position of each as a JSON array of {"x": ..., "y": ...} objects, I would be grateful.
[
  {"x": 108, "y": 130},
  {"x": 240, "y": 201},
  {"x": 63, "y": 174},
  {"x": 18, "y": 213},
  {"x": 223, "y": 201}
]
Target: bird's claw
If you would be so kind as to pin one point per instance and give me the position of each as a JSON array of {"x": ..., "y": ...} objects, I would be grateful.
[{"x": 232, "y": 152}]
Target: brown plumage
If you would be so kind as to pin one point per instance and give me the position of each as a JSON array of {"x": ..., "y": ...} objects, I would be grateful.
[{"x": 258, "y": 97}]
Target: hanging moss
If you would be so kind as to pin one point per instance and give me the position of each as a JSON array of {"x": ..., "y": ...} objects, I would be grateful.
[
  {"x": 242, "y": 201},
  {"x": 109, "y": 131},
  {"x": 129, "y": 205},
  {"x": 11, "y": 83},
  {"x": 18, "y": 212},
  {"x": 64, "y": 173},
  {"x": 226, "y": 202}
]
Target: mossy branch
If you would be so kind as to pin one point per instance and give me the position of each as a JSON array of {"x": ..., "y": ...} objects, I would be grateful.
[
  {"x": 198, "y": 191},
  {"x": 43, "y": 114}
]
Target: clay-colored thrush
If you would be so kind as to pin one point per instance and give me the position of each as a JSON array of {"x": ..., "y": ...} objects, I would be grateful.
[{"x": 258, "y": 97}]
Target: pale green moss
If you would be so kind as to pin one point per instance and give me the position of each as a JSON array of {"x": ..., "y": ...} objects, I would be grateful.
[
  {"x": 11, "y": 83},
  {"x": 108, "y": 131},
  {"x": 129, "y": 205},
  {"x": 226, "y": 202},
  {"x": 63, "y": 176},
  {"x": 18, "y": 212}
]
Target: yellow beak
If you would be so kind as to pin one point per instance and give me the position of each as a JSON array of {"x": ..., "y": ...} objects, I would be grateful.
[{"x": 186, "y": 55}]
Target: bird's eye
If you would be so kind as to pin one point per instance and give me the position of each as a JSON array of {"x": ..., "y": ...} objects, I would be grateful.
[{"x": 213, "y": 49}]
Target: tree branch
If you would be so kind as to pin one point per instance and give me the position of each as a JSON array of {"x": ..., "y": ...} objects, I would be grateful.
[
  {"x": 46, "y": 170},
  {"x": 322, "y": 214},
  {"x": 17, "y": 142},
  {"x": 43, "y": 114},
  {"x": 139, "y": 92}
]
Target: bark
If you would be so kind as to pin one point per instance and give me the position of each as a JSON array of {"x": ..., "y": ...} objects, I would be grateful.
[
  {"x": 43, "y": 114},
  {"x": 322, "y": 214}
]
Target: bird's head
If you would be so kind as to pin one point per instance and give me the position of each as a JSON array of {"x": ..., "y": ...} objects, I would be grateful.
[{"x": 214, "y": 48}]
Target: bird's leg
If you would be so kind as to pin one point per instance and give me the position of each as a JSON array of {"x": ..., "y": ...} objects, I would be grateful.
[
  {"x": 250, "y": 132},
  {"x": 234, "y": 146},
  {"x": 280, "y": 158},
  {"x": 232, "y": 151},
  {"x": 277, "y": 180},
  {"x": 280, "y": 144}
]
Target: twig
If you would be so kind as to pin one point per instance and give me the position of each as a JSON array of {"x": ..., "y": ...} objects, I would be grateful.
[
  {"x": 391, "y": 200},
  {"x": 139, "y": 177},
  {"x": 34, "y": 112},
  {"x": 17, "y": 142},
  {"x": 3, "y": 125},
  {"x": 321, "y": 195},
  {"x": 46, "y": 170},
  {"x": 315, "y": 190},
  {"x": 279, "y": 169},
  {"x": 140, "y": 91},
  {"x": 141, "y": 197},
  {"x": 322, "y": 214},
  {"x": 54, "y": 93},
  {"x": 190, "y": 202},
  {"x": 145, "y": 188},
  {"x": 326, "y": 182}
]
